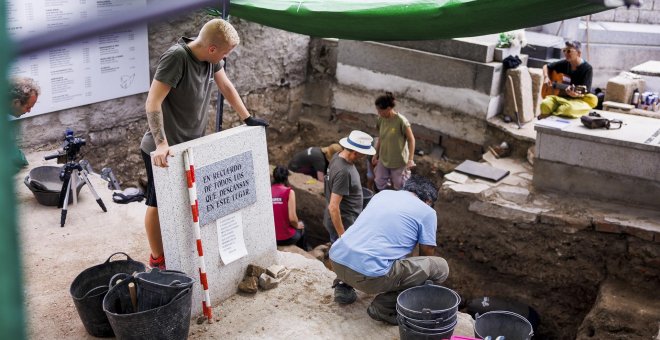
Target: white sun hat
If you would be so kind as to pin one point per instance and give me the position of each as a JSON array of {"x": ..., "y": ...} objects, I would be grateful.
[{"x": 360, "y": 142}]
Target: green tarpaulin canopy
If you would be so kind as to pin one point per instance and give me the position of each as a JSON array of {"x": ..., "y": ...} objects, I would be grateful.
[{"x": 408, "y": 20}]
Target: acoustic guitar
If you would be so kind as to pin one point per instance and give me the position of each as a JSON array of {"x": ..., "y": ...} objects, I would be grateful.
[
  {"x": 558, "y": 88},
  {"x": 557, "y": 85}
]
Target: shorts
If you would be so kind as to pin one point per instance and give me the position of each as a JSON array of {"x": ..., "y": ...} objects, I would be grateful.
[{"x": 150, "y": 191}]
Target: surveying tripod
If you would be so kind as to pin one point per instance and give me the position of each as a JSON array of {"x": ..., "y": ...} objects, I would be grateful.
[{"x": 71, "y": 173}]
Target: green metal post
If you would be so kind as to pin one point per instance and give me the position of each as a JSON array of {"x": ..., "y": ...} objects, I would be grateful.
[{"x": 11, "y": 294}]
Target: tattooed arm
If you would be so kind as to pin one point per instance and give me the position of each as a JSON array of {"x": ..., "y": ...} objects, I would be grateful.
[{"x": 157, "y": 94}]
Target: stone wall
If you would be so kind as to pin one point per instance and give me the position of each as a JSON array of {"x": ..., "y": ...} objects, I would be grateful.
[
  {"x": 268, "y": 69},
  {"x": 648, "y": 13}
]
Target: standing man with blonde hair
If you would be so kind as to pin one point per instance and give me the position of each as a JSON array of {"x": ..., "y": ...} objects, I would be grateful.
[{"x": 177, "y": 106}]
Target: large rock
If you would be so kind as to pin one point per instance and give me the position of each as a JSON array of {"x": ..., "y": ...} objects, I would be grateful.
[
  {"x": 620, "y": 88},
  {"x": 537, "y": 84},
  {"x": 522, "y": 85},
  {"x": 621, "y": 313}
]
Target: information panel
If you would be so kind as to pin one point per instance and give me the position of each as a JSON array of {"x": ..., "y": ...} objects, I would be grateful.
[
  {"x": 108, "y": 66},
  {"x": 225, "y": 187}
]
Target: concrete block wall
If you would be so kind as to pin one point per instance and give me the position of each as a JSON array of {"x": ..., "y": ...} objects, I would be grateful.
[
  {"x": 616, "y": 40},
  {"x": 270, "y": 87},
  {"x": 450, "y": 95}
]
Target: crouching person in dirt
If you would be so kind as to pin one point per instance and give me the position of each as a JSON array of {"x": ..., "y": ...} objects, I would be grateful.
[{"x": 371, "y": 255}]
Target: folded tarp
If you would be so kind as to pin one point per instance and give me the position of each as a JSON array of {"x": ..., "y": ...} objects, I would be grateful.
[{"x": 409, "y": 20}]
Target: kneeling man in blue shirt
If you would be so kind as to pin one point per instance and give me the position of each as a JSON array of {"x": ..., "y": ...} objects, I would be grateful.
[{"x": 371, "y": 255}]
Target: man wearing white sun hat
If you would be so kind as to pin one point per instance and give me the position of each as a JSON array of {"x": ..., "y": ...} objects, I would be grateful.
[{"x": 343, "y": 192}]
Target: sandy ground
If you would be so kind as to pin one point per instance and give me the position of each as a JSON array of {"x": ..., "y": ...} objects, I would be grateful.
[{"x": 302, "y": 305}]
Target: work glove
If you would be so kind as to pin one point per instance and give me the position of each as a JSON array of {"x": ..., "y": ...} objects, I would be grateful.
[{"x": 251, "y": 121}]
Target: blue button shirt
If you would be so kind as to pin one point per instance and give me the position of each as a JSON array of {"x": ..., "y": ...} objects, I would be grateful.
[{"x": 386, "y": 231}]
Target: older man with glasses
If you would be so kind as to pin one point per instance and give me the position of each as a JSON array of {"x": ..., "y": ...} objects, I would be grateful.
[{"x": 576, "y": 99}]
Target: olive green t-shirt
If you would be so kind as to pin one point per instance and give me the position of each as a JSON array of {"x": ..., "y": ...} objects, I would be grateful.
[
  {"x": 185, "y": 107},
  {"x": 393, "y": 143}
]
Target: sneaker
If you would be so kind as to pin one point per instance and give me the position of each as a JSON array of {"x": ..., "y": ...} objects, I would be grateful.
[
  {"x": 157, "y": 263},
  {"x": 344, "y": 294},
  {"x": 377, "y": 315}
]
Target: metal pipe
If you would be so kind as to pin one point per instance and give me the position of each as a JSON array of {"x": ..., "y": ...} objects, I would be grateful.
[
  {"x": 220, "y": 107},
  {"x": 157, "y": 10}
]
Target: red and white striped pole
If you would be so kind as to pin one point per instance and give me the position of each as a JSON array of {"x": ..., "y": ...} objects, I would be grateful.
[{"x": 192, "y": 195}]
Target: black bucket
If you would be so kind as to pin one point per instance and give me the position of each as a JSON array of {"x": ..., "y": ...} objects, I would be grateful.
[
  {"x": 366, "y": 196},
  {"x": 428, "y": 324},
  {"x": 428, "y": 302},
  {"x": 89, "y": 288},
  {"x": 157, "y": 288},
  {"x": 170, "y": 321},
  {"x": 411, "y": 332},
  {"x": 508, "y": 324}
]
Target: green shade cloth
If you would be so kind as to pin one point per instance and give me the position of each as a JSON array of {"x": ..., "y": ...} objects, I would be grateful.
[{"x": 408, "y": 20}]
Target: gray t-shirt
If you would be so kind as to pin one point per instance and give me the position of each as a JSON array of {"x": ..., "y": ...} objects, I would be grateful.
[
  {"x": 343, "y": 179},
  {"x": 185, "y": 107}
]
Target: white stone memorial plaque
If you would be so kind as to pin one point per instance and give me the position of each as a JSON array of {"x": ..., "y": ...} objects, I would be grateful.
[
  {"x": 224, "y": 187},
  {"x": 230, "y": 238}
]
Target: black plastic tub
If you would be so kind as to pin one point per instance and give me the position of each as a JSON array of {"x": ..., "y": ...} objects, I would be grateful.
[
  {"x": 90, "y": 287},
  {"x": 170, "y": 321}
]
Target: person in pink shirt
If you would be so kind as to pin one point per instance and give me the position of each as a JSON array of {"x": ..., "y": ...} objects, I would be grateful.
[{"x": 288, "y": 228}]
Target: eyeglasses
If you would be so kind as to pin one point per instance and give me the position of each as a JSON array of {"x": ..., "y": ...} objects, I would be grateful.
[{"x": 567, "y": 50}]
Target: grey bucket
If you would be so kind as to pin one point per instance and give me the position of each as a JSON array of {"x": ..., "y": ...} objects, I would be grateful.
[
  {"x": 508, "y": 324},
  {"x": 428, "y": 302}
]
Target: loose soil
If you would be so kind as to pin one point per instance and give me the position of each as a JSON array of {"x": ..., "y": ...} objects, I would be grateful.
[{"x": 301, "y": 306}]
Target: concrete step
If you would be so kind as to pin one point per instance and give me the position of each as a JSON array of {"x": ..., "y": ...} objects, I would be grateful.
[
  {"x": 481, "y": 49},
  {"x": 538, "y": 63},
  {"x": 427, "y": 67},
  {"x": 620, "y": 33},
  {"x": 543, "y": 46}
]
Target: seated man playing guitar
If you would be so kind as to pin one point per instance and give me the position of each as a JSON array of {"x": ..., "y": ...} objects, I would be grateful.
[{"x": 567, "y": 85}]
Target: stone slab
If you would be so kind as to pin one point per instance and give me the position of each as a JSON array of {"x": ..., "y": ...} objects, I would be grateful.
[
  {"x": 176, "y": 219},
  {"x": 502, "y": 211},
  {"x": 422, "y": 66},
  {"x": 538, "y": 63},
  {"x": 481, "y": 170},
  {"x": 479, "y": 49},
  {"x": 650, "y": 72},
  {"x": 542, "y": 45}
]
